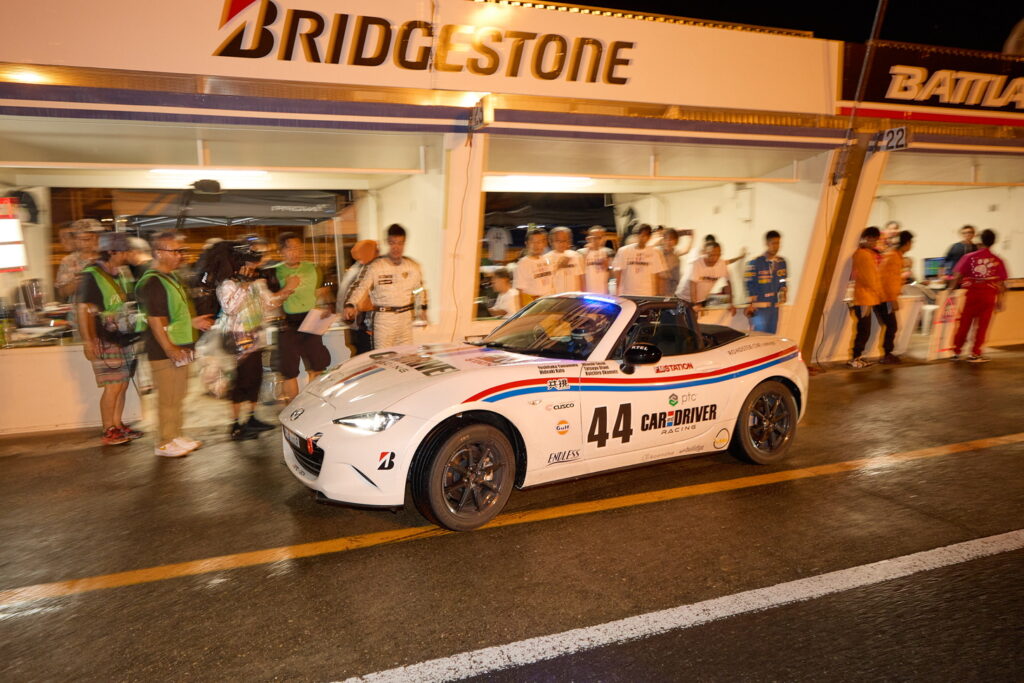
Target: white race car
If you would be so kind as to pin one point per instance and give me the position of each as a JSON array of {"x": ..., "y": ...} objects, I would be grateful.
[{"x": 572, "y": 385}]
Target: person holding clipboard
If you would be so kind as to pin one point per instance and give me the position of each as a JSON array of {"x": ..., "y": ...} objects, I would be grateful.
[{"x": 304, "y": 284}]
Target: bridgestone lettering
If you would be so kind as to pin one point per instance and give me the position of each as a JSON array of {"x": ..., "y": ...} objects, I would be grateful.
[{"x": 373, "y": 41}]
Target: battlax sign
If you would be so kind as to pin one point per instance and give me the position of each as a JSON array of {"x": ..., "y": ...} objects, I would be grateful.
[{"x": 290, "y": 34}]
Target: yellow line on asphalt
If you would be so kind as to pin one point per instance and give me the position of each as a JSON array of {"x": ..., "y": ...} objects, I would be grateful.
[{"x": 347, "y": 543}]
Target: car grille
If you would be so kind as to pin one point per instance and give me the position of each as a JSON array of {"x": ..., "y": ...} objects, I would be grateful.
[{"x": 313, "y": 461}]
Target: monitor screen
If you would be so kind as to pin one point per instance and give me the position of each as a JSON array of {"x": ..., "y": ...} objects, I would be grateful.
[{"x": 932, "y": 267}]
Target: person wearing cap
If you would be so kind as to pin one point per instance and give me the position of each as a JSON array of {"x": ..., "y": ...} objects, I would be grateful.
[
  {"x": 86, "y": 235},
  {"x": 101, "y": 307},
  {"x": 169, "y": 322},
  {"x": 359, "y": 313}
]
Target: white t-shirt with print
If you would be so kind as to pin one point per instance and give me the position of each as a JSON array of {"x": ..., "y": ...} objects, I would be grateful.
[
  {"x": 705, "y": 277},
  {"x": 596, "y": 263},
  {"x": 566, "y": 266},
  {"x": 534, "y": 276},
  {"x": 638, "y": 268}
]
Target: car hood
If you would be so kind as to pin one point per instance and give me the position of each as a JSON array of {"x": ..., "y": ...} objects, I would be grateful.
[{"x": 377, "y": 380}]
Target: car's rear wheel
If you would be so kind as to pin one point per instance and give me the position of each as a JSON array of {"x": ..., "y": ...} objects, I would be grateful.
[
  {"x": 766, "y": 424},
  {"x": 467, "y": 481}
]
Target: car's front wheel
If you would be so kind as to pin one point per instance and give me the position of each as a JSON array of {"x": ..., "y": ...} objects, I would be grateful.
[
  {"x": 467, "y": 481},
  {"x": 766, "y": 424}
]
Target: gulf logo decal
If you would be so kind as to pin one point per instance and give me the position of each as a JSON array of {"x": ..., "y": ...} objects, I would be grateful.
[{"x": 539, "y": 385}]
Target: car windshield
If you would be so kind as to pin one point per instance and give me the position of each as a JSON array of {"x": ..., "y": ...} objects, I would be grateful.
[{"x": 567, "y": 327}]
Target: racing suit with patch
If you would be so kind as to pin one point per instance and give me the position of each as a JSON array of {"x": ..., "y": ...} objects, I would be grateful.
[
  {"x": 766, "y": 282},
  {"x": 391, "y": 287}
]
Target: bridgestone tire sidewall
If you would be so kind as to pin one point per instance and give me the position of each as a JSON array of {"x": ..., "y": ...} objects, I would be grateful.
[
  {"x": 742, "y": 446},
  {"x": 428, "y": 487}
]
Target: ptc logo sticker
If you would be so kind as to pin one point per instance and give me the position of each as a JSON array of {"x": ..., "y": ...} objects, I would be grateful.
[
  {"x": 562, "y": 427},
  {"x": 722, "y": 439},
  {"x": 673, "y": 400},
  {"x": 387, "y": 460}
]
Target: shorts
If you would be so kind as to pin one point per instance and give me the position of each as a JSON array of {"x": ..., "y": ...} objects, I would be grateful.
[
  {"x": 293, "y": 345},
  {"x": 113, "y": 366}
]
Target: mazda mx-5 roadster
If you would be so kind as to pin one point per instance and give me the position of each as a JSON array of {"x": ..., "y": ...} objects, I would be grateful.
[{"x": 572, "y": 385}]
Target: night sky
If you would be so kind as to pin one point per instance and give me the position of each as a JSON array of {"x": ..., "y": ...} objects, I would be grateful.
[{"x": 977, "y": 25}]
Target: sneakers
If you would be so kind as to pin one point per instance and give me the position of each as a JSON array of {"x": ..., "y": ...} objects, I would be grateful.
[
  {"x": 254, "y": 425},
  {"x": 172, "y": 449},
  {"x": 955, "y": 357},
  {"x": 132, "y": 434},
  {"x": 188, "y": 444},
  {"x": 890, "y": 359},
  {"x": 113, "y": 436},
  {"x": 976, "y": 358},
  {"x": 242, "y": 432},
  {"x": 858, "y": 363}
]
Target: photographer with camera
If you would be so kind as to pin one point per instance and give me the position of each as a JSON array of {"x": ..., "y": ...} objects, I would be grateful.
[
  {"x": 106, "y": 325},
  {"x": 231, "y": 269}
]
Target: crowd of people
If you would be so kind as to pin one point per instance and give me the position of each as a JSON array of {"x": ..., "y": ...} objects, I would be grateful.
[
  {"x": 881, "y": 268},
  {"x": 652, "y": 263},
  {"x": 158, "y": 306},
  {"x": 129, "y": 294}
]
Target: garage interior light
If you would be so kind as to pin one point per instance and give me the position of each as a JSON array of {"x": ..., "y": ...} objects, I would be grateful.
[
  {"x": 536, "y": 183},
  {"x": 209, "y": 172}
]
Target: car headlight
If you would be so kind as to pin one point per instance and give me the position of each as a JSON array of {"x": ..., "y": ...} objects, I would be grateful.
[{"x": 370, "y": 422}]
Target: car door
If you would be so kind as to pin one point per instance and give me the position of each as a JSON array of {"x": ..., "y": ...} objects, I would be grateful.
[{"x": 655, "y": 410}]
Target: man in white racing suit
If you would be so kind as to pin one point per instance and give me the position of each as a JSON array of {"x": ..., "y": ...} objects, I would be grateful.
[{"x": 391, "y": 282}]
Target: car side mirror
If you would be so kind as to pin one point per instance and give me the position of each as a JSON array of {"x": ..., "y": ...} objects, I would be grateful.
[{"x": 640, "y": 353}]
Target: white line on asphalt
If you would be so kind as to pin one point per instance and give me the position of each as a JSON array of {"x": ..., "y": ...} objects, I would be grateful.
[{"x": 533, "y": 650}]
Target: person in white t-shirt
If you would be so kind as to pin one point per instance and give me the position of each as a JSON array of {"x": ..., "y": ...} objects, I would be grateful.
[
  {"x": 704, "y": 275},
  {"x": 636, "y": 266},
  {"x": 597, "y": 262},
  {"x": 507, "y": 303},
  {"x": 566, "y": 264},
  {"x": 534, "y": 277}
]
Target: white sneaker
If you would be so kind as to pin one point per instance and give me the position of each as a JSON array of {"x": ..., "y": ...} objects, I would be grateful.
[
  {"x": 171, "y": 449},
  {"x": 188, "y": 444}
]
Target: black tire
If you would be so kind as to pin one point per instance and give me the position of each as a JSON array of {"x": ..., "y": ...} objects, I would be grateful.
[
  {"x": 766, "y": 424},
  {"x": 467, "y": 481}
]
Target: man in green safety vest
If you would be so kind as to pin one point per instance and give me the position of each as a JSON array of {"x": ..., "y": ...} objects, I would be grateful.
[
  {"x": 304, "y": 284},
  {"x": 169, "y": 331},
  {"x": 102, "y": 318}
]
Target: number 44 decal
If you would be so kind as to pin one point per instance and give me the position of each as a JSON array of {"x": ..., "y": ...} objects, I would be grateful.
[{"x": 623, "y": 428}]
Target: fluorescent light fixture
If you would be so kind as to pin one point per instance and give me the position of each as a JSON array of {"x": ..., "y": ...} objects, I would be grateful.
[
  {"x": 198, "y": 173},
  {"x": 536, "y": 183},
  {"x": 10, "y": 230},
  {"x": 13, "y": 257},
  {"x": 25, "y": 75}
]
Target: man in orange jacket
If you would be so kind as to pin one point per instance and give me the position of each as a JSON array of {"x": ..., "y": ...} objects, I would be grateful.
[
  {"x": 890, "y": 273},
  {"x": 868, "y": 296}
]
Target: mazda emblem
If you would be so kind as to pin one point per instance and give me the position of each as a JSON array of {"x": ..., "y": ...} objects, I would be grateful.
[{"x": 296, "y": 414}]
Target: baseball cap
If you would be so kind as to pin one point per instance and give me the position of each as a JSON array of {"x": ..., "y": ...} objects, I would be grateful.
[{"x": 87, "y": 225}]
